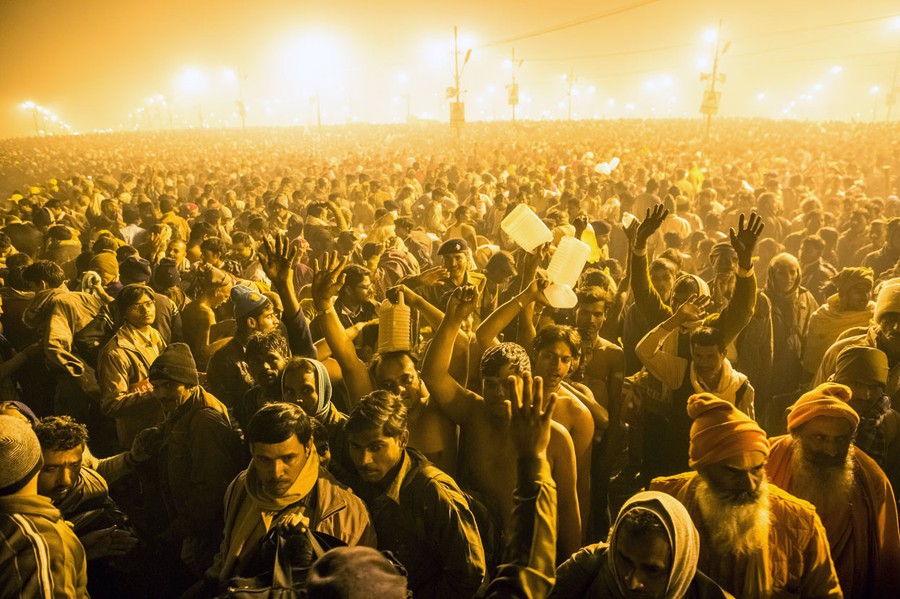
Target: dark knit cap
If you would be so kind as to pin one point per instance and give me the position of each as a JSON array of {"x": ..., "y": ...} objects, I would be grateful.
[
  {"x": 176, "y": 363},
  {"x": 20, "y": 454},
  {"x": 166, "y": 275},
  {"x": 355, "y": 573},
  {"x": 134, "y": 269}
]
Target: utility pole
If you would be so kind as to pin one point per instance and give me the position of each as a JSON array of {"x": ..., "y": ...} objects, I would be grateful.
[
  {"x": 569, "y": 93},
  {"x": 514, "y": 87},
  {"x": 711, "y": 97},
  {"x": 457, "y": 108},
  {"x": 892, "y": 93}
]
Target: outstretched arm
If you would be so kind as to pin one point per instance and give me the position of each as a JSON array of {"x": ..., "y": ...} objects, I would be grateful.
[
  {"x": 488, "y": 331},
  {"x": 327, "y": 280},
  {"x": 452, "y": 398},
  {"x": 277, "y": 256},
  {"x": 649, "y": 302}
]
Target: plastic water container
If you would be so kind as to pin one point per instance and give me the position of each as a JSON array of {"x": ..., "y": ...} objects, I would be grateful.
[
  {"x": 394, "y": 326},
  {"x": 525, "y": 228},
  {"x": 564, "y": 270}
]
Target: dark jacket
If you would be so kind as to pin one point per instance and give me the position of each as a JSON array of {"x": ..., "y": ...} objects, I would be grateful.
[
  {"x": 425, "y": 521},
  {"x": 201, "y": 454}
]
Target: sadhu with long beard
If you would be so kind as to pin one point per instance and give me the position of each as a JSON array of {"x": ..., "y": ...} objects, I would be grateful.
[
  {"x": 852, "y": 495},
  {"x": 756, "y": 540}
]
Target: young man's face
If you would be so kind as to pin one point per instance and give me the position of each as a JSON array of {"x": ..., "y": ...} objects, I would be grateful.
[
  {"x": 279, "y": 464},
  {"x": 375, "y": 454},
  {"x": 177, "y": 251},
  {"x": 60, "y": 472},
  {"x": 142, "y": 313},
  {"x": 299, "y": 387},
  {"x": 266, "y": 369},
  {"x": 553, "y": 362},
  {"x": 589, "y": 319},
  {"x": 643, "y": 563},
  {"x": 455, "y": 265},
  {"x": 707, "y": 360},
  {"x": 265, "y": 322},
  {"x": 398, "y": 375},
  {"x": 169, "y": 393},
  {"x": 495, "y": 390}
]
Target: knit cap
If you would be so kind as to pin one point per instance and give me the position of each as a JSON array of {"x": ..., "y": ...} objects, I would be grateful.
[
  {"x": 20, "y": 454},
  {"x": 134, "y": 270},
  {"x": 246, "y": 300},
  {"x": 355, "y": 573},
  {"x": 177, "y": 364},
  {"x": 105, "y": 264}
]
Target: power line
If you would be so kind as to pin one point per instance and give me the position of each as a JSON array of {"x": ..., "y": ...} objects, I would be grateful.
[{"x": 567, "y": 25}]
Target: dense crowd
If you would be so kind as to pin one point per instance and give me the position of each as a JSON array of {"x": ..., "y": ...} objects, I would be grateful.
[{"x": 234, "y": 361}]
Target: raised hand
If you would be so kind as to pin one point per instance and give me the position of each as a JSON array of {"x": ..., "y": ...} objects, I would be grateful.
[
  {"x": 529, "y": 426},
  {"x": 278, "y": 256},
  {"x": 744, "y": 241},
  {"x": 695, "y": 308},
  {"x": 535, "y": 290},
  {"x": 462, "y": 302},
  {"x": 328, "y": 279},
  {"x": 432, "y": 276},
  {"x": 650, "y": 225}
]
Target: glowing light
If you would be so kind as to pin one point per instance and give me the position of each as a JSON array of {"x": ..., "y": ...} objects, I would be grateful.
[
  {"x": 818, "y": 87},
  {"x": 229, "y": 75},
  {"x": 592, "y": 89},
  {"x": 894, "y": 23},
  {"x": 710, "y": 35},
  {"x": 402, "y": 78},
  {"x": 28, "y": 105},
  {"x": 191, "y": 80},
  {"x": 875, "y": 89},
  {"x": 702, "y": 62},
  {"x": 507, "y": 64},
  {"x": 837, "y": 69},
  {"x": 760, "y": 97}
]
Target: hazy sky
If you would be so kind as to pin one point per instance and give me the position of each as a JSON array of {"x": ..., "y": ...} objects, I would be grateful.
[{"x": 95, "y": 62}]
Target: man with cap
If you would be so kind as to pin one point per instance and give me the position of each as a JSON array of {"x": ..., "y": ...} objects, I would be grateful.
[
  {"x": 201, "y": 453},
  {"x": 228, "y": 374},
  {"x": 883, "y": 259},
  {"x": 755, "y": 539},
  {"x": 106, "y": 265},
  {"x": 454, "y": 255},
  {"x": 852, "y": 496},
  {"x": 40, "y": 556},
  {"x": 865, "y": 371},
  {"x": 882, "y": 333},
  {"x": 137, "y": 270}
]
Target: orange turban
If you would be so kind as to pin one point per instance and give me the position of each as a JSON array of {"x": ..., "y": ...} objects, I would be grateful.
[
  {"x": 828, "y": 399},
  {"x": 721, "y": 431}
]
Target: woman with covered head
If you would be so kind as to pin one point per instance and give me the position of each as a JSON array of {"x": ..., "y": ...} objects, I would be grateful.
[
  {"x": 652, "y": 551},
  {"x": 792, "y": 308}
]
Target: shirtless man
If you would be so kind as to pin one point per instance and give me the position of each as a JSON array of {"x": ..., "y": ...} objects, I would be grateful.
[
  {"x": 430, "y": 430},
  {"x": 487, "y": 456},
  {"x": 556, "y": 351}
]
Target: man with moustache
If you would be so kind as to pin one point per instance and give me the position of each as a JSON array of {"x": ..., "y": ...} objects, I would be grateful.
[
  {"x": 756, "y": 540},
  {"x": 818, "y": 463}
]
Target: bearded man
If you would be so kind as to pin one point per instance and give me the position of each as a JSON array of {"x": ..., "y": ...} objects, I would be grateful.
[
  {"x": 817, "y": 462},
  {"x": 755, "y": 539}
]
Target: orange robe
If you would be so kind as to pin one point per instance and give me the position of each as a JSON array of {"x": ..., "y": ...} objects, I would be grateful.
[
  {"x": 796, "y": 563},
  {"x": 864, "y": 539}
]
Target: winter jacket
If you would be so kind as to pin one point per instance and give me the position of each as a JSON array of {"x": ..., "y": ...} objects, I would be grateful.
[{"x": 40, "y": 556}]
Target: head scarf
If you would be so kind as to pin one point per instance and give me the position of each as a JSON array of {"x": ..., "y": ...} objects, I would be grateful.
[
  {"x": 323, "y": 389},
  {"x": 861, "y": 364},
  {"x": 720, "y": 431},
  {"x": 828, "y": 399},
  {"x": 782, "y": 260},
  {"x": 850, "y": 277},
  {"x": 888, "y": 298},
  {"x": 682, "y": 536}
]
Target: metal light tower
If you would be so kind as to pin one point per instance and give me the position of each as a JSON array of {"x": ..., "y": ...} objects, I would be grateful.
[
  {"x": 711, "y": 97},
  {"x": 457, "y": 108},
  {"x": 513, "y": 88}
]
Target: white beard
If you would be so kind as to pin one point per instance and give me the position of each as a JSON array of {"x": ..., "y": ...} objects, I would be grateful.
[
  {"x": 739, "y": 529},
  {"x": 828, "y": 488}
]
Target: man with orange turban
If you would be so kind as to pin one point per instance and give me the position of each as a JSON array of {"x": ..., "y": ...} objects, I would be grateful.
[
  {"x": 755, "y": 539},
  {"x": 817, "y": 462}
]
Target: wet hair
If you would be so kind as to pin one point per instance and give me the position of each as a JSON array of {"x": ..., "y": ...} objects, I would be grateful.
[
  {"x": 45, "y": 271},
  {"x": 664, "y": 264},
  {"x": 504, "y": 354},
  {"x": 557, "y": 332},
  {"x": 378, "y": 409},
  {"x": 278, "y": 422},
  {"x": 260, "y": 344},
  {"x": 641, "y": 523},
  {"x": 60, "y": 433},
  {"x": 379, "y": 359},
  {"x": 214, "y": 245},
  {"x": 355, "y": 274},
  {"x": 592, "y": 295},
  {"x": 708, "y": 336}
]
